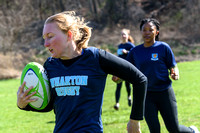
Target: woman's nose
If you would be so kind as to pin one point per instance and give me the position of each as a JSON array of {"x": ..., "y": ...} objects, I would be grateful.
[{"x": 46, "y": 43}]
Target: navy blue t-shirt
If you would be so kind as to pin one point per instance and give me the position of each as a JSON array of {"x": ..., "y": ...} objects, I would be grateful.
[
  {"x": 154, "y": 62},
  {"x": 128, "y": 46},
  {"x": 77, "y": 91},
  {"x": 77, "y": 87}
]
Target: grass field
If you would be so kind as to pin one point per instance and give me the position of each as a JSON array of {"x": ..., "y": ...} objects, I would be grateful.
[{"x": 187, "y": 90}]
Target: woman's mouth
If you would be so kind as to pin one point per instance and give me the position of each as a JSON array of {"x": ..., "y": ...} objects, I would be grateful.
[
  {"x": 147, "y": 37},
  {"x": 51, "y": 50}
]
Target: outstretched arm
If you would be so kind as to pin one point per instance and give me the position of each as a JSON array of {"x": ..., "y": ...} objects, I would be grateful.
[{"x": 123, "y": 69}]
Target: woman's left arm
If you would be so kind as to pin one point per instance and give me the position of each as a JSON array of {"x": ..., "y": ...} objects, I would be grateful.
[{"x": 123, "y": 69}]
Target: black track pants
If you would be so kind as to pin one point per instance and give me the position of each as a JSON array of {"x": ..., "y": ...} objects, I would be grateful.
[
  {"x": 118, "y": 90},
  {"x": 165, "y": 103}
]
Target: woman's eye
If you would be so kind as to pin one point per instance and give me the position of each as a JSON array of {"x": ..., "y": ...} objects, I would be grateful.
[{"x": 50, "y": 37}]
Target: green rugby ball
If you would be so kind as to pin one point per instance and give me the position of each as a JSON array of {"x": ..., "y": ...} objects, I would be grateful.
[{"x": 35, "y": 75}]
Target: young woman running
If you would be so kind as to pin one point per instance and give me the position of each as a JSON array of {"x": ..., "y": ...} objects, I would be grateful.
[
  {"x": 154, "y": 58},
  {"x": 77, "y": 75},
  {"x": 123, "y": 49}
]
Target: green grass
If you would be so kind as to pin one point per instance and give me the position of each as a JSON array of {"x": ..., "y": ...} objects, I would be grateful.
[
  {"x": 187, "y": 90},
  {"x": 14, "y": 120}
]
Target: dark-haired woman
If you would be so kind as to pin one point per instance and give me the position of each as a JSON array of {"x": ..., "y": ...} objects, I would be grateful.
[{"x": 155, "y": 59}]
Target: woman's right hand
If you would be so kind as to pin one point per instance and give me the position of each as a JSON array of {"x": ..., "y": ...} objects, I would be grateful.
[{"x": 23, "y": 98}]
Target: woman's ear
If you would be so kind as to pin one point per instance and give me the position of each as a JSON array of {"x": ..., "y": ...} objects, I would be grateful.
[{"x": 69, "y": 34}]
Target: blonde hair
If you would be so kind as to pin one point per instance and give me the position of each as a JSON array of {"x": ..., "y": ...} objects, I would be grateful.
[
  {"x": 69, "y": 21},
  {"x": 130, "y": 38}
]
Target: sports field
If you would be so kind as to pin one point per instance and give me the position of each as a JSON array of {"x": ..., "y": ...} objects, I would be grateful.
[{"x": 187, "y": 90}]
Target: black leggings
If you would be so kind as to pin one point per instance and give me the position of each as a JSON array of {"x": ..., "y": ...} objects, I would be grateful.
[
  {"x": 118, "y": 90},
  {"x": 165, "y": 103}
]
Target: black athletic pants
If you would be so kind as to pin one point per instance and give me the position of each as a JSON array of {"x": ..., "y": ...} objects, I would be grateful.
[
  {"x": 118, "y": 90},
  {"x": 165, "y": 103}
]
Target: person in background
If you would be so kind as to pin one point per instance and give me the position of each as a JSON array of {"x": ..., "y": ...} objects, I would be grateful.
[
  {"x": 154, "y": 58},
  {"x": 122, "y": 51},
  {"x": 77, "y": 76}
]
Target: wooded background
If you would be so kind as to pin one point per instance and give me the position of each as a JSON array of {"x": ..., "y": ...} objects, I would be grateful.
[{"x": 22, "y": 23}]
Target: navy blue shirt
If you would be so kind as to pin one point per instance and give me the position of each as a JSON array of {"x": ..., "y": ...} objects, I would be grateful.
[
  {"x": 78, "y": 100},
  {"x": 77, "y": 87},
  {"x": 127, "y": 46},
  {"x": 154, "y": 62}
]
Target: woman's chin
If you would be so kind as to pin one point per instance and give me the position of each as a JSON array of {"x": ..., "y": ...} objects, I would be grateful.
[{"x": 54, "y": 56}]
